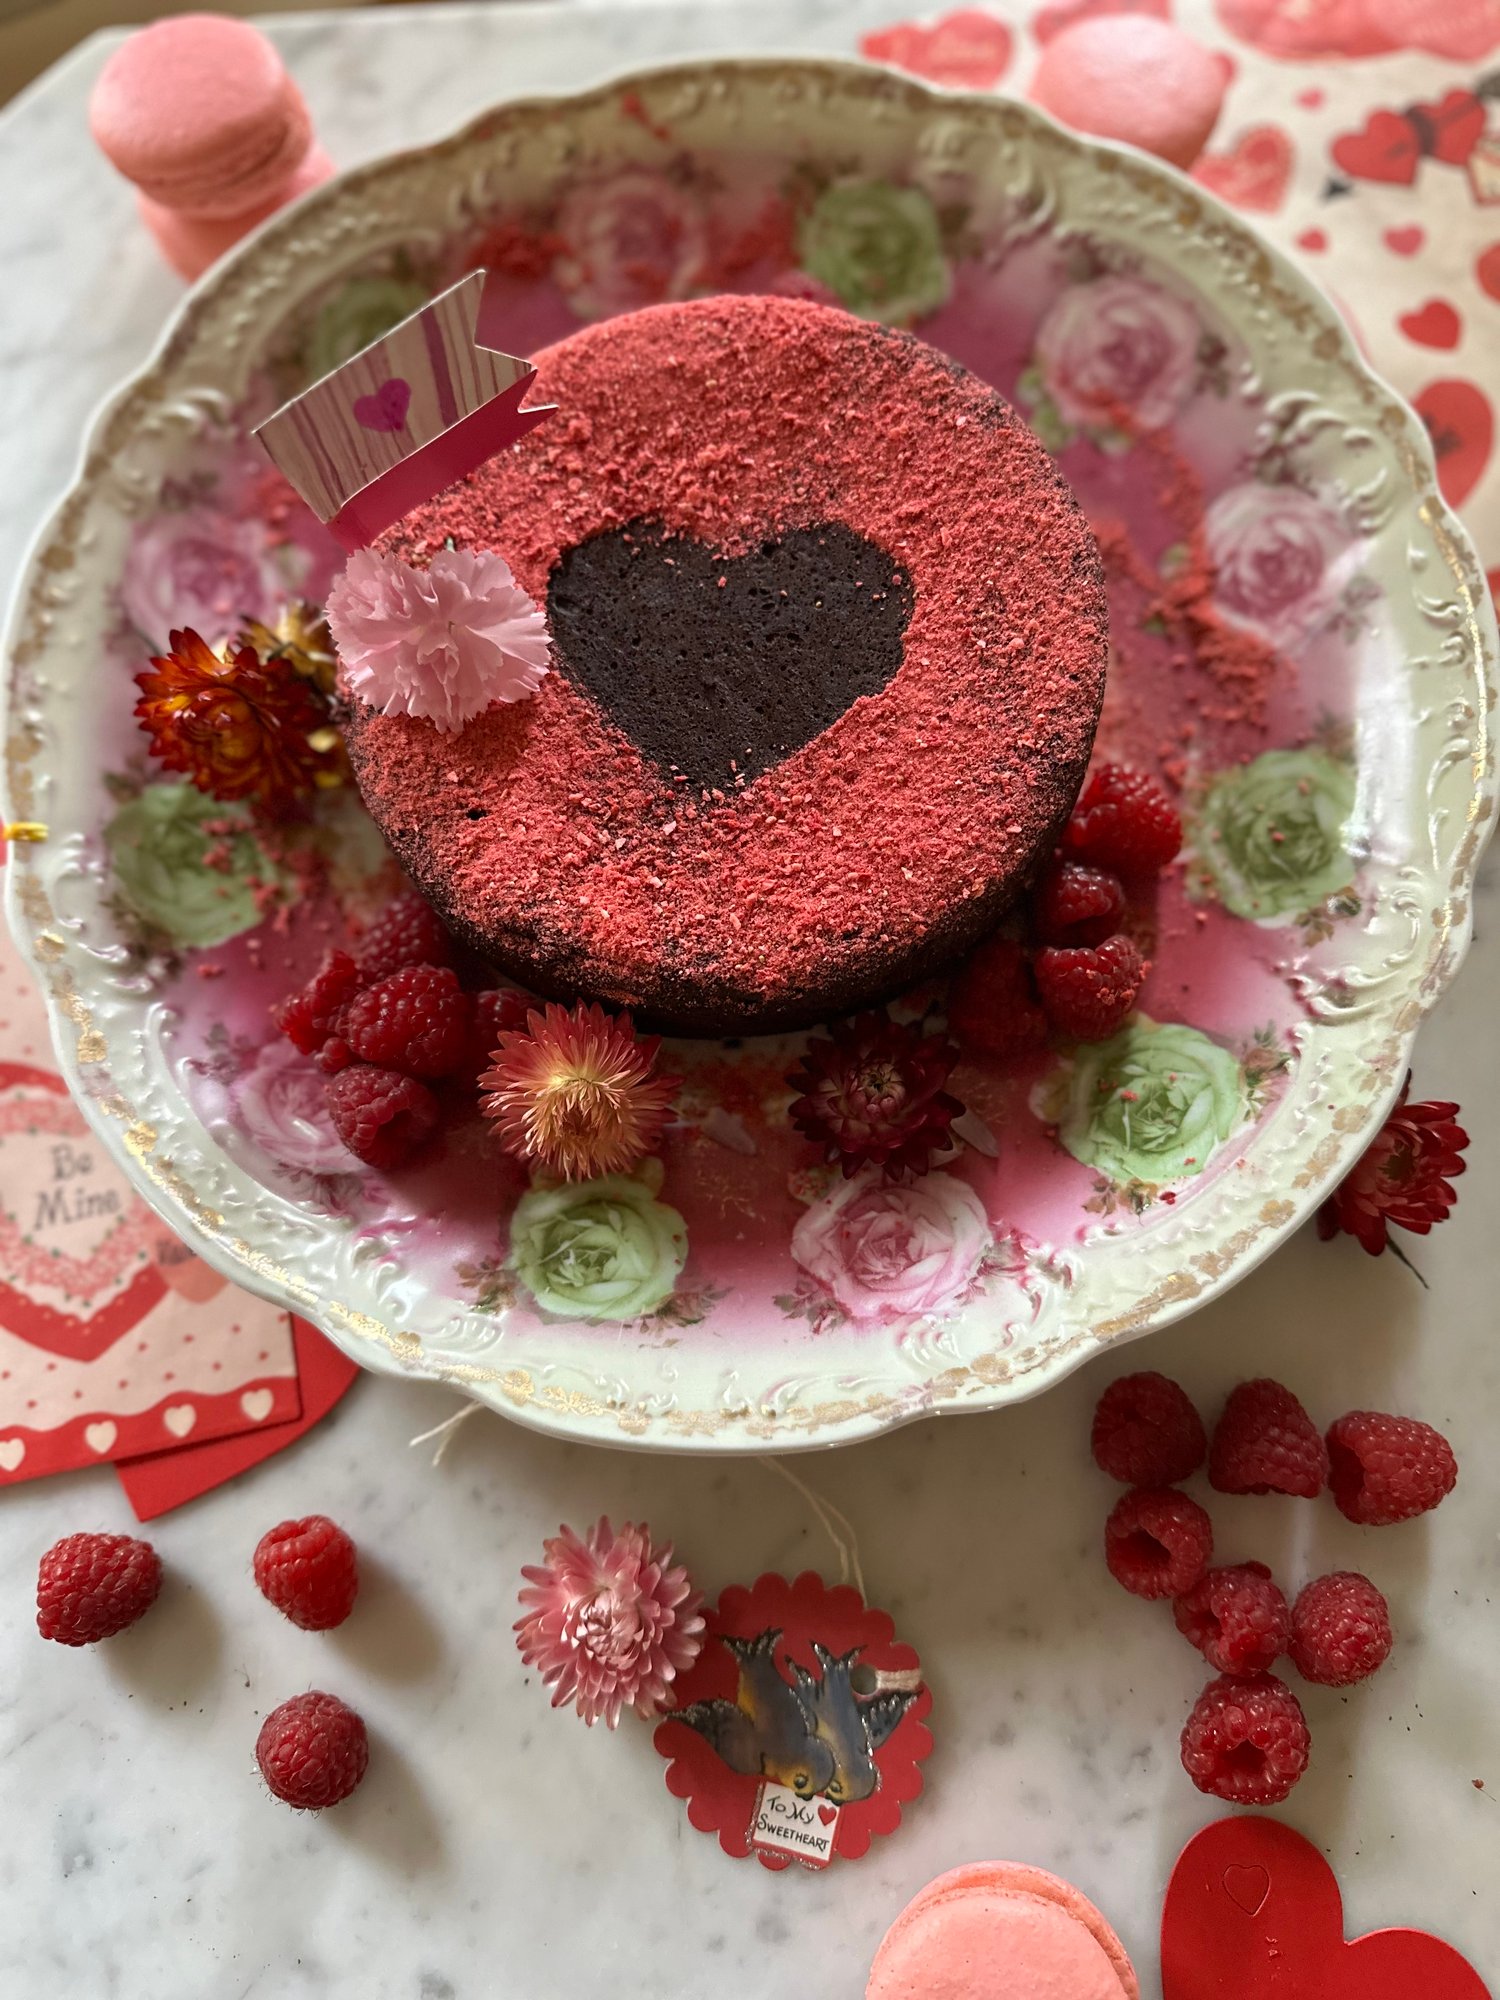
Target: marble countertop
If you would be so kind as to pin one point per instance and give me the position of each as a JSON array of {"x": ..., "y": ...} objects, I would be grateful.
[{"x": 496, "y": 1846}]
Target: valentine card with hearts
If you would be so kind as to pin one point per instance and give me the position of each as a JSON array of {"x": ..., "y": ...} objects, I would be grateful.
[{"x": 114, "y": 1338}]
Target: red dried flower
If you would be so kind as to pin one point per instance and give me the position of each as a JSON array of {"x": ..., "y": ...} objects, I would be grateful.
[
  {"x": 240, "y": 727},
  {"x": 872, "y": 1095},
  {"x": 575, "y": 1091},
  {"x": 1403, "y": 1177}
]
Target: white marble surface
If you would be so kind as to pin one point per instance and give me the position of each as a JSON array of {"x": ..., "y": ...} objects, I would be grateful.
[{"x": 497, "y": 1847}]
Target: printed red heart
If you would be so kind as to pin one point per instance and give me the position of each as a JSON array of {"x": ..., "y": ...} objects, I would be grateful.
[
  {"x": 1487, "y": 270},
  {"x": 1452, "y": 128},
  {"x": 1292, "y": 1942},
  {"x": 1254, "y": 174},
  {"x": 1435, "y": 324},
  {"x": 967, "y": 50},
  {"x": 1407, "y": 240},
  {"x": 1461, "y": 425},
  {"x": 1312, "y": 239},
  {"x": 1051, "y": 21},
  {"x": 1310, "y": 99},
  {"x": 1387, "y": 149},
  {"x": 386, "y": 409},
  {"x": 828, "y": 1814}
]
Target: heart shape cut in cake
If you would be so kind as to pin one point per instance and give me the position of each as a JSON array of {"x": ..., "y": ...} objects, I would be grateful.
[
  {"x": 1253, "y": 1912},
  {"x": 719, "y": 668},
  {"x": 386, "y": 407}
]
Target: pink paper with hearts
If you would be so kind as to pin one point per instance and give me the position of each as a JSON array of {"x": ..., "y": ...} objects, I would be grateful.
[{"x": 114, "y": 1338}]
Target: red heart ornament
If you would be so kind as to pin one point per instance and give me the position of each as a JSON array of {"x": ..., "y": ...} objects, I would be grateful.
[
  {"x": 386, "y": 409},
  {"x": 1451, "y": 128},
  {"x": 1461, "y": 425},
  {"x": 1388, "y": 149},
  {"x": 1435, "y": 324},
  {"x": 968, "y": 50},
  {"x": 1218, "y": 1942},
  {"x": 1254, "y": 174}
]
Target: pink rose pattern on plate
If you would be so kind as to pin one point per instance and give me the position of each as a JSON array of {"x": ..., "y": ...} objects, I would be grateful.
[{"x": 1099, "y": 349}]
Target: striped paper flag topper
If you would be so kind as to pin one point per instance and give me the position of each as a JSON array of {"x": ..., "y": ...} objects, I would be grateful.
[{"x": 408, "y": 415}]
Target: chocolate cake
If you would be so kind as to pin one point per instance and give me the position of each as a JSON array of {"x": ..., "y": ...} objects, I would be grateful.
[{"x": 828, "y": 644}]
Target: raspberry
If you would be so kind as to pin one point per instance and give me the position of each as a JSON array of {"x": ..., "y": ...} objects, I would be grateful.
[
  {"x": 308, "y": 1570},
  {"x": 1387, "y": 1469},
  {"x": 1246, "y": 1741},
  {"x": 417, "y": 1021},
  {"x": 1158, "y": 1544},
  {"x": 992, "y": 1005},
  {"x": 1123, "y": 821},
  {"x": 1237, "y": 1618},
  {"x": 408, "y": 932},
  {"x": 381, "y": 1116},
  {"x": 1147, "y": 1433},
  {"x": 501, "y": 1011},
  {"x": 306, "y": 1016},
  {"x": 1076, "y": 904},
  {"x": 1265, "y": 1442},
  {"x": 89, "y": 1587},
  {"x": 1087, "y": 990},
  {"x": 312, "y": 1751},
  {"x": 1341, "y": 1630}
]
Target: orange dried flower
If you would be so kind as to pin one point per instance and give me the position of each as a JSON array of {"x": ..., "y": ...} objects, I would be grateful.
[
  {"x": 240, "y": 727},
  {"x": 575, "y": 1092}
]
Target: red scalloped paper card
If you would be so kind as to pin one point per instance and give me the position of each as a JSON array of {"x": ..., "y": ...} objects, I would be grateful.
[
  {"x": 1253, "y": 1912},
  {"x": 799, "y": 1732}
]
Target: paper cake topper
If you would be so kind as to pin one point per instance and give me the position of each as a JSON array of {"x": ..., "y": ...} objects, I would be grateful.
[
  {"x": 1253, "y": 1912},
  {"x": 409, "y": 414},
  {"x": 798, "y": 1731}
]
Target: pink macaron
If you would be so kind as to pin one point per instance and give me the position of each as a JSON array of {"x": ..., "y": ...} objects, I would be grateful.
[
  {"x": 200, "y": 113},
  {"x": 1132, "y": 77},
  {"x": 997, "y": 1930},
  {"x": 190, "y": 243}
]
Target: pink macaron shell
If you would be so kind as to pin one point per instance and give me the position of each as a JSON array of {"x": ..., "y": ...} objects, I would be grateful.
[
  {"x": 1132, "y": 77},
  {"x": 200, "y": 113},
  {"x": 190, "y": 243},
  {"x": 999, "y": 1930}
]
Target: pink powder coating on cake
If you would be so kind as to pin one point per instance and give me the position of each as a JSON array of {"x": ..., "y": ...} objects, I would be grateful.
[
  {"x": 887, "y": 843},
  {"x": 998, "y": 1930},
  {"x": 1133, "y": 78}
]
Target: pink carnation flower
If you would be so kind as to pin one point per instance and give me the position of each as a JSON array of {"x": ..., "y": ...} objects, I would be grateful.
[
  {"x": 610, "y": 1623},
  {"x": 443, "y": 642}
]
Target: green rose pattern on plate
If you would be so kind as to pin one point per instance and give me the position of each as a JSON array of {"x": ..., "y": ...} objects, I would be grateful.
[
  {"x": 1273, "y": 835},
  {"x": 598, "y": 1249},
  {"x": 878, "y": 249},
  {"x": 180, "y": 872}
]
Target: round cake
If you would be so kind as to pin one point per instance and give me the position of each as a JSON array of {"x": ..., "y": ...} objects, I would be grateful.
[{"x": 828, "y": 649}]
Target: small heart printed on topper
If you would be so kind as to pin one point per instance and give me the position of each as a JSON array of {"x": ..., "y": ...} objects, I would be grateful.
[{"x": 386, "y": 408}]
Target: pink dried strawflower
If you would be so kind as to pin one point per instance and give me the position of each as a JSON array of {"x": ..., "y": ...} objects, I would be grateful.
[
  {"x": 575, "y": 1091},
  {"x": 442, "y": 642},
  {"x": 872, "y": 1095},
  {"x": 610, "y": 1621}
]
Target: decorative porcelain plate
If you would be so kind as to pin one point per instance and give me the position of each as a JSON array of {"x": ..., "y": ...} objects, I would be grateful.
[{"x": 1303, "y": 648}]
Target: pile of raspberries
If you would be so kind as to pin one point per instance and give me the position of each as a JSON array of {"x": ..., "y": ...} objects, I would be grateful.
[
  {"x": 1247, "y": 1739},
  {"x": 1080, "y": 971},
  {"x": 313, "y": 1749},
  {"x": 389, "y": 1022}
]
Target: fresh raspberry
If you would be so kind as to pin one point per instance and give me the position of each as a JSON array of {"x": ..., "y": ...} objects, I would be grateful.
[
  {"x": 1158, "y": 1544},
  {"x": 307, "y": 1014},
  {"x": 1265, "y": 1442},
  {"x": 89, "y": 1587},
  {"x": 1341, "y": 1630},
  {"x": 1076, "y": 904},
  {"x": 407, "y": 932},
  {"x": 1088, "y": 990},
  {"x": 1387, "y": 1469},
  {"x": 1237, "y": 1618},
  {"x": 1123, "y": 821},
  {"x": 1147, "y": 1433},
  {"x": 500, "y": 1011},
  {"x": 308, "y": 1570},
  {"x": 312, "y": 1751},
  {"x": 417, "y": 1021},
  {"x": 381, "y": 1116},
  {"x": 992, "y": 1005},
  {"x": 1246, "y": 1741}
]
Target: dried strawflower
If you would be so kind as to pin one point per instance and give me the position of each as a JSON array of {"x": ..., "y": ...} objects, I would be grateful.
[
  {"x": 443, "y": 642},
  {"x": 872, "y": 1095},
  {"x": 575, "y": 1091},
  {"x": 301, "y": 637},
  {"x": 1402, "y": 1178},
  {"x": 240, "y": 727},
  {"x": 610, "y": 1621}
]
